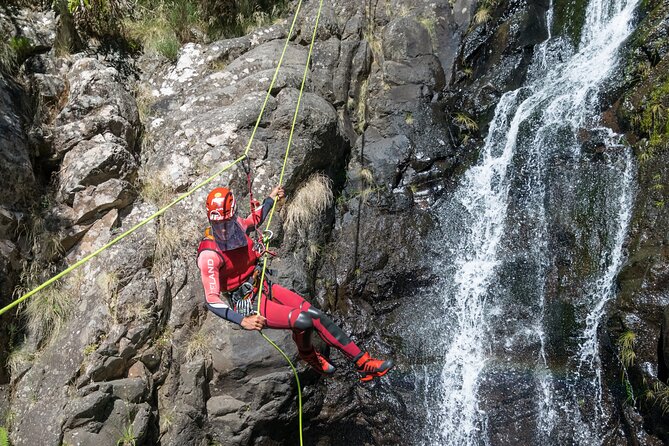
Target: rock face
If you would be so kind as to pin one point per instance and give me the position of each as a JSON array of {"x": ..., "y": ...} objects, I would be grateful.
[{"x": 640, "y": 311}]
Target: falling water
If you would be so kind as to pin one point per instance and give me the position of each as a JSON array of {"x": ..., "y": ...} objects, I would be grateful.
[{"x": 532, "y": 180}]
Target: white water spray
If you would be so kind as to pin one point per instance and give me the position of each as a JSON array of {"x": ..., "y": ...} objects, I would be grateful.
[{"x": 532, "y": 127}]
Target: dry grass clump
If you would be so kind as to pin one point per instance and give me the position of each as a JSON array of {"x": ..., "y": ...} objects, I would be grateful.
[
  {"x": 309, "y": 203},
  {"x": 198, "y": 345},
  {"x": 153, "y": 189},
  {"x": 48, "y": 311},
  {"x": 171, "y": 242},
  {"x": 109, "y": 284}
]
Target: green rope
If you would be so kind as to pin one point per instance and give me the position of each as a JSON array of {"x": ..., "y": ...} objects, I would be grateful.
[
  {"x": 174, "y": 202},
  {"x": 271, "y": 214}
]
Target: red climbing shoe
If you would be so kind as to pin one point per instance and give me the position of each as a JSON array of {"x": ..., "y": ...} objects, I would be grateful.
[
  {"x": 371, "y": 368},
  {"x": 318, "y": 362}
]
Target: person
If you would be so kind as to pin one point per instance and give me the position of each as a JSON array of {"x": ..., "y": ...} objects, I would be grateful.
[{"x": 228, "y": 260}]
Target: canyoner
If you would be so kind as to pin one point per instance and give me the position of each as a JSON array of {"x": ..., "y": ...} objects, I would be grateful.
[{"x": 230, "y": 262}]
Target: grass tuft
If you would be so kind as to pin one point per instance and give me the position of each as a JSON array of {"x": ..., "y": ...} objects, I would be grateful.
[
  {"x": 128, "y": 437},
  {"x": 198, "y": 345},
  {"x": 483, "y": 15},
  {"x": 659, "y": 394},
  {"x": 154, "y": 31},
  {"x": 153, "y": 189},
  {"x": 109, "y": 284},
  {"x": 164, "y": 341},
  {"x": 626, "y": 346},
  {"x": 466, "y": 121},
  {"x": 8, "y": 60},
  {"x": 17, "y": 359},
  {"x": 171, "y": 241},
  {"x": 48, "y": 311},
  {"x": 309, "y": 203}
]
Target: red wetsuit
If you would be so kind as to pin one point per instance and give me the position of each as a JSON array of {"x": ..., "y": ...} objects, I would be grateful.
[{"x": 227, "y": 270}]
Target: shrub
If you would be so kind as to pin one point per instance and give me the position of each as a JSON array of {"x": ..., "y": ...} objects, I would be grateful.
[{"x": 99, "y": 18}]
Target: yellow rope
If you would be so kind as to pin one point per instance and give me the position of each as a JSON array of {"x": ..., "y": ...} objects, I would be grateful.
[
  {"x": 177, "y": 200},
  {"x": 271, "y": 214}
]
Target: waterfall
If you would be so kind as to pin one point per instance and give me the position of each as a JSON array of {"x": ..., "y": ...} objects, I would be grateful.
[{"x": 507, "y": 226}]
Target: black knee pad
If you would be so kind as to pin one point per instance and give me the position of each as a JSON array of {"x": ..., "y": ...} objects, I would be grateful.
[
  {"x": 329, "y": 325},
  {"x": 303, "y": 321}
]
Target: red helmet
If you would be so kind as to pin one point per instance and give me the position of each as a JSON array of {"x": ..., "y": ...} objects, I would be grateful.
[{"x": 221, "y": 204}]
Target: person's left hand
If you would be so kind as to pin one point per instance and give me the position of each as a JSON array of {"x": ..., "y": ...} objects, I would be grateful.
[{"x": 277, "y": 192}]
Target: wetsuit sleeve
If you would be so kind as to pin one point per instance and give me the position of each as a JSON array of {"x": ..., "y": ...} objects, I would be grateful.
[
  {"x": 258, "y": 216},
  {"x": 209, "y": 263}
]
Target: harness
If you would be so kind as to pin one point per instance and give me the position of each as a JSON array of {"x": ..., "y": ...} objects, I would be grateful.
[{"x": 242, "y": 298}]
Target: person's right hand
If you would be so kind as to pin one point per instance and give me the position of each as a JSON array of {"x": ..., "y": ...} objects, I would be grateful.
[{"x": 253, "y": 322}]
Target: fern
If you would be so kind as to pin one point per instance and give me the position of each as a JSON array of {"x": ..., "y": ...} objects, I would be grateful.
[{"x": 4, "y": 437}]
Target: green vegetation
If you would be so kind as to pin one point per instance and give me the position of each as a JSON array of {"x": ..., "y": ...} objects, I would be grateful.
[
  {"x": 484, "y": 12},
  {"x": 170, "y": 243},
  {"x": 167, "y": 417},
  {"x": 152, "y": 189},
  {"x": 164, "y": 341},
  {"x": 128, "y": 437},
  {"x": 430, "y": 24},
  {"x": 48, "y": 311},
  {"x": 627, "y": 357},
  {"x": 162, "y": 26},
  {"x": 4, "y": 437},
  {"x": 13, "y": 52},
  {"x": 7, "y": 57},
  {"x": 90, "y": 348},
  {"x": 466, "y": 122},
  {"x": 659, "y": 394},
  {"x": 651, "y": 121},
  {"x": 17, "y": 358},
  {"x": 626, "y": 348},
  {"x": 483, "y": 15}
]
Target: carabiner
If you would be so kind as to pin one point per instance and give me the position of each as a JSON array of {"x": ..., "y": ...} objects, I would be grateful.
[{"x": 266, "y": 238}]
